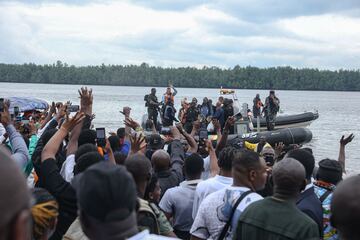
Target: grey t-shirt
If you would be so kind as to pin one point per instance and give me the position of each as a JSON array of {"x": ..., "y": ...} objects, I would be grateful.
[{"x": 178, "y": 201}]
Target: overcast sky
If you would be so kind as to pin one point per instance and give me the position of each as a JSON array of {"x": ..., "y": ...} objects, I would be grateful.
[{"x": 321, "y": 34}]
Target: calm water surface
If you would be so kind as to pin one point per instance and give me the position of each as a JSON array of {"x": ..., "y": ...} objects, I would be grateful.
[{"x": 339, "y": 111}]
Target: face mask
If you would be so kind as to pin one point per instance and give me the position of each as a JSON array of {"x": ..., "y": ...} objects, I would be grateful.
[{"x": 269, "y": 160}]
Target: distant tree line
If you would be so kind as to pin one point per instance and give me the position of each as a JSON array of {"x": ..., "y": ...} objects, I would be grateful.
[{"x": 206, "y": 77}]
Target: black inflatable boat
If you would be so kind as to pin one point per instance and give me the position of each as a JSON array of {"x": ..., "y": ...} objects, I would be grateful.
[
  {"x": 289, "y": 121},
  {"x": 286, "y": 135}
]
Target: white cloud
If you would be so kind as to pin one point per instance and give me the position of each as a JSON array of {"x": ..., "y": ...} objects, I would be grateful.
[{"x": 130, "y": 33}]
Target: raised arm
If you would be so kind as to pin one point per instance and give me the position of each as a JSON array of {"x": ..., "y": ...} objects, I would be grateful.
[
  {"x": 86, "y": 101},
  {"x": 222, "y": 142},
  {"x": 20, "y": 151},
  {"x": 193, "y": 146},
  {"x": 214, "y": 167},
  {"x": 49, "y": 115},
  {"x": 53, "y": 144},
  {"x": 217, "y": 127},
  {"x": 109, "y": 152},
  {"x": 175, "y": 91},
  {"x": 196, "y": 127},
  {"x": 343, "y": 142},
  {"x": 177, "y": 153}
]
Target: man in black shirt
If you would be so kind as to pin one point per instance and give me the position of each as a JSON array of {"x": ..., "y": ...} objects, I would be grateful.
[
  {"x": 153, "y": 106},
  {"x": 191, "y": 115},
  {"x": 271, "y": 108}
]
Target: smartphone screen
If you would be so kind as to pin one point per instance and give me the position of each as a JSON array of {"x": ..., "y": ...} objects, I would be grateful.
[
  {"x": 203, "y": 134},
  {"x": 1, "y": 104},
  {"x": 16, "y": 111},
  {"x": 100, "y": 136},
  {"x": 73, "y": 108}
]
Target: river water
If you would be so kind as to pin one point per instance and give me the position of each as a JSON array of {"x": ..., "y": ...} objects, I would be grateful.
[{"x": 339, "y": 111}]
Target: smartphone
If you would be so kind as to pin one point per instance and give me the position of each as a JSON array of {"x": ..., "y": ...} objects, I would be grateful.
[
  {"x": 73, "y": 108},
  {"x": 1, "y": 104},
  {"x": 165, "y": 131},
  {"x": 203, "y": 134},
  {"x": 100, "y": 137},
  {"x": 16, "y": 111}
]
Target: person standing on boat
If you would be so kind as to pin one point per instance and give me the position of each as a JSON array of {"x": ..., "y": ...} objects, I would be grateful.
[
  {"x": 168, "y": 97},
  {"x": 168, "y": 110},
  {"x": 153, "y": 106},
  {"x": 257, "y": 106},
  {"x": 271, "y": 108}
]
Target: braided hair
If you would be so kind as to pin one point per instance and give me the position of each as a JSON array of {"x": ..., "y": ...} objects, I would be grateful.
[
  {"x": 44, "y": 212},
  {"x": 226, "y": 157}
]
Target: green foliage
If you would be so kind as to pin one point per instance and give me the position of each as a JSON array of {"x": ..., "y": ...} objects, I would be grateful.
[{"x": 209, "y": 77}]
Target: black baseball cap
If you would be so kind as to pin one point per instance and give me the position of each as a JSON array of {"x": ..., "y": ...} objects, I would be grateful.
[
  {"x": 106, "y": 193},
  {"x": 155, "y": 141}
]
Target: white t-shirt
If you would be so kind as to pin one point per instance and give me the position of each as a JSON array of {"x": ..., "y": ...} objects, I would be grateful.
[
  {"x": 215, "y": 210},
  {"x": 207, "y": 187},
  {"x": 67, "y": 169},
  {"x": 206, "y": 173}
]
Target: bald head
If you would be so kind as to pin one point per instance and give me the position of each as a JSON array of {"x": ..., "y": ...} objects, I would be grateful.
[
  {"x": 160, "y": 160},
  {"x": 139, "y": 166},
  {"x": 345, "y": 208},
  {"x": 15, "y": 196},
  {"x": 289, "y": 177}
]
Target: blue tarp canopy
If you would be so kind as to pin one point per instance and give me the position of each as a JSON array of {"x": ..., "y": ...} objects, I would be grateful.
[{"x": 27, "y": 104}]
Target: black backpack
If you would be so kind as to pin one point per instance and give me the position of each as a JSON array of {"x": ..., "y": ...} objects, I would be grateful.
[{"x": 146, "y": 99}]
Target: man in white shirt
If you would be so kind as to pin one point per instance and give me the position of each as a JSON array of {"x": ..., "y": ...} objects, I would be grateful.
[
  {"x": 249, "y": 172},
  {"x": 220, "y": 181}
]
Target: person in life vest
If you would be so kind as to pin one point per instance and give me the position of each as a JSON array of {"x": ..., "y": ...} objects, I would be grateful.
[
  {"x": 168, "y": 97},
  {"x": 169, "y": 110},
  {"x": 257, "y": 106}
]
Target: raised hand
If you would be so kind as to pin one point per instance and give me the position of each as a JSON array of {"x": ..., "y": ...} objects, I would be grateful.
[
  {"x": 196, "y": 124},
  {"x": 180, "y": 127},
  {"x": 86, "y": 99},
  {"x": 216, "y": 124},
  {"x": 131, "y": 123},
  {"x": 137, "y": 143},
  {"x": 175, "y": 133},
  {"x": 209, "y": 146},
  {"x": 279, "y": 148},
  {"x": 229, "y": 123},
  {"x": 344, "y": 141},
  {"x": 70, "y": 123},
  {"x": 126, "y": 112},
  {"x": 62, "y": 112},
  {"x": 5, "y": 117},
  {"x": 52, "y": 108}
]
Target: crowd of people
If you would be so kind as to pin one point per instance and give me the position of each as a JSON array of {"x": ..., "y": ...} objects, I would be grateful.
[
  {"x": 59, "y": 179},
  {"x": 164, "y": 112}
]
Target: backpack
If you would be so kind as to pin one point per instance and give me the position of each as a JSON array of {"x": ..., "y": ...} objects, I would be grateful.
[{"x": 146, "y": 99}]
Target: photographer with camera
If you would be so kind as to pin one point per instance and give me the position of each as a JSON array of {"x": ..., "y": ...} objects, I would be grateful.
[{"x": 271, "y": 108}]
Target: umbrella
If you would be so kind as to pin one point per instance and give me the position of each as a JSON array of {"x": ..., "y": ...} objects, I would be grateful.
[{"x": 27, "y": 104}]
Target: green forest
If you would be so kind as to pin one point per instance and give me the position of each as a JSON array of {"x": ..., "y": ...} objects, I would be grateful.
[{"x": 246, "y": 77}]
